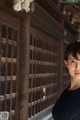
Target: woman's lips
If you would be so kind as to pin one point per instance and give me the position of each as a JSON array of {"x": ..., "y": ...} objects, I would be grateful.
[{"x": 77, "y": 73}]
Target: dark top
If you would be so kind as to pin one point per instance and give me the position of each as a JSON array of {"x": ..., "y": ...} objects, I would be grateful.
[{"x": 68, "y": 106}]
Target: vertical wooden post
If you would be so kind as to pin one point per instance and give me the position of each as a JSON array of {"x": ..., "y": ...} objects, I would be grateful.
[
  {"x": 60, "y": 66},
  {"x": 61, "y": 63},
  {"x": 24, "y": 69}
]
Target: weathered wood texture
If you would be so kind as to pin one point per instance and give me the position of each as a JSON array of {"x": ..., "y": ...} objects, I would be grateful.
[
  {"x": 24, "y": 68},
  {"x": 40, "y": 74},
  {"x": 9, "y": 36}
]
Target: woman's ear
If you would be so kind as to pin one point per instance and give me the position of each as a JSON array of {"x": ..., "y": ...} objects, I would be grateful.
[{"x": 65, "y": 62}]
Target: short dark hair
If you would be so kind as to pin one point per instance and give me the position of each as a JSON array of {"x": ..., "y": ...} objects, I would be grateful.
[{"x": 73, "y": 49}]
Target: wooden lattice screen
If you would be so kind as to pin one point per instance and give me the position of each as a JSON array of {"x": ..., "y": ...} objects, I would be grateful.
[
  {"x": 43, "y": 80},
  {"x": 8, "y": 65}
]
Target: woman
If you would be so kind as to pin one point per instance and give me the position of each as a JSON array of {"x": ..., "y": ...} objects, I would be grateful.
[{"x": 67, "y": 106}]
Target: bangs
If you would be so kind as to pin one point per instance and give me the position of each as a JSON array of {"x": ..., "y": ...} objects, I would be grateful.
[{"x": 76, "y": 55}]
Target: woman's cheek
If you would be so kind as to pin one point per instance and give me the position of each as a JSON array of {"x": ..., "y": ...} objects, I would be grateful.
[{"x": 71, "y": 68}]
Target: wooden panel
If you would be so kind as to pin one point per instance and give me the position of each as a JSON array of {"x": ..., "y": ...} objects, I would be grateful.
[
  {"x": 9, "y": 34},
  {"x": 43, "y": 74}
]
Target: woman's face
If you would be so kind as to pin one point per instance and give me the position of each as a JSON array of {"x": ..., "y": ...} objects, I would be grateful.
[{"x": 73, "y": 66}]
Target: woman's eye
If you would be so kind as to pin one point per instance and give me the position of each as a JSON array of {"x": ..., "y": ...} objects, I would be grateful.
[{"x": 71, "y": 61}]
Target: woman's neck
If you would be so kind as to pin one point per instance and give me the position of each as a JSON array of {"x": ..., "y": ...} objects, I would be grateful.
[{"x": 75, "y": 84}]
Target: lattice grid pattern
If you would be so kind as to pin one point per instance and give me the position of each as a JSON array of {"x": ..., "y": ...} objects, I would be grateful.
[
  {"x": 43, "y": 80},
  {"x": 8, "y": 69}
]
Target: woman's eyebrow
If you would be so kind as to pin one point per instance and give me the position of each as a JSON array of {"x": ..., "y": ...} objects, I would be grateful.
[{"x": 71, "y": 58}]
